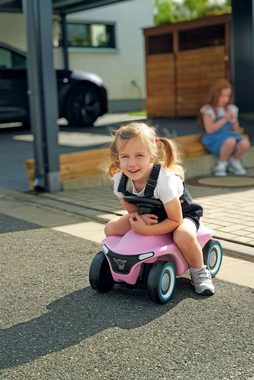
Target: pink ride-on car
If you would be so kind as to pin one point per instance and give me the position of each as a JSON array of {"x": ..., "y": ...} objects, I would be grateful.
[{"x": 150, "y": 261}]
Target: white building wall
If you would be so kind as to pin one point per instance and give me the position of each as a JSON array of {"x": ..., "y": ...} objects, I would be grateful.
[
  {"x": 121, "y": 67},
  {"x": 12, "y": 30}
]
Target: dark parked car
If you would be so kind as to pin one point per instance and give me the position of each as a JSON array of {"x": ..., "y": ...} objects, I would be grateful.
[{"x": 82, "y": 96}]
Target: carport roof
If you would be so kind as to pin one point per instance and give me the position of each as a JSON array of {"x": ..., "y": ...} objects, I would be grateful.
[{"x": 59, "y": 6}]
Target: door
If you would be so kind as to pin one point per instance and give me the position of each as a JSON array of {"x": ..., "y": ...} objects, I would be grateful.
[{"x": 13, "y": 86}]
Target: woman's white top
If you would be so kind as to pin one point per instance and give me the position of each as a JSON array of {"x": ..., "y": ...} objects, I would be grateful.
[
  {"x": 168, "y": 187},
  {"x": 220, "y": 111}
]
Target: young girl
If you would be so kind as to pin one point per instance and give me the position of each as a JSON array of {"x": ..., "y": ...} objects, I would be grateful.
[
  {"x": 220, "y": 122},
  {"x": 143, "y": 164}
]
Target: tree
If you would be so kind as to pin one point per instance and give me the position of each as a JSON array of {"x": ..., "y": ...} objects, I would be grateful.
[{"x": 174, "y": 11}]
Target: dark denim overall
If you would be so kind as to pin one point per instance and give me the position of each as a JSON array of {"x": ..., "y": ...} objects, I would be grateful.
[{"x": 150, "y": 205}]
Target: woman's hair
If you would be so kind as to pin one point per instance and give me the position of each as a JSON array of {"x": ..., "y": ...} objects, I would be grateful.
[
  {"x": 162, "y": 150},
  {"x": 215, "y": 91}
]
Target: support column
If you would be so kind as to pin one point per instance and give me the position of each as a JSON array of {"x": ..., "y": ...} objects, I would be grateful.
[
  {"x": 64, "y": 42},
  {"x": 42, "y": 93},
  {"x": 242, "y": 54}
]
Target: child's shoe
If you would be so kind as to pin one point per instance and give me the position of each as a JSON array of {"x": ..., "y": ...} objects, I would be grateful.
[
  {"x": 201, "y": 279},
  {"x": 220, "y": 169},
  {"x": 235, "y": 167}
]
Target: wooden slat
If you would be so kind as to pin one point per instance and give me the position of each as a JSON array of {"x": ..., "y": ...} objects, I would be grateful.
[
  {"x": 160, "y": 107},
  {"x": 88, "y": 154},
  {"x": 77, "y": 164},
  {"x": 196, "y": 70},
  {"x": 160, "y": 85}
]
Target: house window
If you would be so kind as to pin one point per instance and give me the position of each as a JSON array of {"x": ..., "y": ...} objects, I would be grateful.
[{"x": 93, "y": 35}]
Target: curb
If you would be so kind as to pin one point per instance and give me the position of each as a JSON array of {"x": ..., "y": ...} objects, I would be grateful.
[{"x": 236, "y": 250}]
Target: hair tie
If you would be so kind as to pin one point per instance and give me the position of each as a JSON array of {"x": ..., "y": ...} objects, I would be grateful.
[{"x": 157, "y": 139}]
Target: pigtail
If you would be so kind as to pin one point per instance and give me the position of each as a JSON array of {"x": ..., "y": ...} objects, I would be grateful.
[
  {"x": 169, "y": 157},
  {"x": 114, "y": 166}
]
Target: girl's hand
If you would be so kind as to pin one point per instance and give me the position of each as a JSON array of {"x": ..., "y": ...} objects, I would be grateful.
[
  {"x": 132, "y": 215},
  {"x": 138, "y": 225},
  {"x": 231, "y": 117},
  {"x": 149, "y": 219}
]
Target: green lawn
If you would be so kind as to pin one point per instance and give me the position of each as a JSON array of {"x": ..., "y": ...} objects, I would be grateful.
[{"x": 138, "y": 113}]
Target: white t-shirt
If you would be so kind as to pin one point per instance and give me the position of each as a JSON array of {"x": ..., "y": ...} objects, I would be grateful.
[
  {"x": 220, "y": 111},
  {"x": 168, "y": 187}
]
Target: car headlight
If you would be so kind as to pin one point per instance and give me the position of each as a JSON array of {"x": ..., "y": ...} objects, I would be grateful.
[{"x": 144, "y": 256}]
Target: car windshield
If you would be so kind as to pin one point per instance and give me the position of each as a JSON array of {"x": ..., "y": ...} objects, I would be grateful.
[{"x": 11, "y": 60}]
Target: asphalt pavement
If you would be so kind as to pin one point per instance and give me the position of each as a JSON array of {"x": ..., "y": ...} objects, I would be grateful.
[{"x": 54, "y": 326}]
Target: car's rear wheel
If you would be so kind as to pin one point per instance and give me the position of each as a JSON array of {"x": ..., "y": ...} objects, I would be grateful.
[
  {"x": 83, "y": 106},
  {"x": 212, "y": 254}
]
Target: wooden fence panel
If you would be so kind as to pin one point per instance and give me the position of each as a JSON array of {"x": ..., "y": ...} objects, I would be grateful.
[
  {"x": 195, "y": 72},
  {"x": 160, "y": 71}
]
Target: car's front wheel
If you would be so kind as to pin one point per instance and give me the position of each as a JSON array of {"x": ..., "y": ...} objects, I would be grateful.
[
  {"x": 161, "y": 281},
  {"x": 100, "y": 277},
  {"x": 83, "y": 106}
]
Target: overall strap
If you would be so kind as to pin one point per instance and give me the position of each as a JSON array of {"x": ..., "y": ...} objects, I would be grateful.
[
  {"x": 152, "y": 181},
  {"x": 150, "y": 186},
  {"x": 122, "y": 184}
]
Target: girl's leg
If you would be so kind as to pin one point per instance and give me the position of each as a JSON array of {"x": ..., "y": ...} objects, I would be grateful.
[
  {"x": 118, "y": 226},
  {"x": 227, "y": 148},
  {"x": 235, "y": 165},
  {"x": 226, "y": 151},
  {"x": 241, "y": 147},
  {"x": 185, "y": 237}
]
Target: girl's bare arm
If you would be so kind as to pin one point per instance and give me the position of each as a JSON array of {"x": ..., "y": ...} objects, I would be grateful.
[
  {"x": 129, "y": 207},
  {"x": 174, "y": 212},
  {"x": 213, "y": 126}
]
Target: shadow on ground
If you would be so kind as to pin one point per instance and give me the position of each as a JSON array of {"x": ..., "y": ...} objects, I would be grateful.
[{"x": 78, "y": 316}]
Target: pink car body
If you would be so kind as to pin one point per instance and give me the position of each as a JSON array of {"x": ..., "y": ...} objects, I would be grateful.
[{"x": 126, "y": 254}]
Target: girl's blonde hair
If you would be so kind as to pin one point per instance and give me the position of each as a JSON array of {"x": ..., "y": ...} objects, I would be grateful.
[
  {"x": 215, "y": 92},
  {"x": 162, "y": 150}
]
